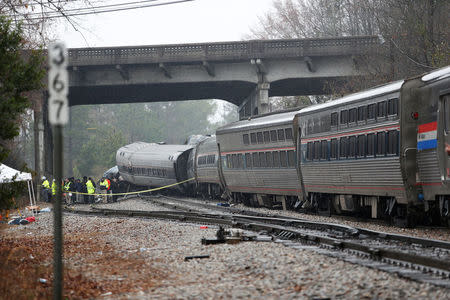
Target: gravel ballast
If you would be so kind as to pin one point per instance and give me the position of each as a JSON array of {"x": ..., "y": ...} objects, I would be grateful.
[{"x": 145, "y": 259}]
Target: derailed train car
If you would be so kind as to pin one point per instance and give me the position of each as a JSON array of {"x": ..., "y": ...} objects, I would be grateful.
[
  {"x": 259, "y": 160},
  {"x": 154, "y": 165},
  {"x": 204, "y": 167}
]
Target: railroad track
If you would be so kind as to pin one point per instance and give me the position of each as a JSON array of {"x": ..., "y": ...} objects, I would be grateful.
[{"x": 422, "y": 260}]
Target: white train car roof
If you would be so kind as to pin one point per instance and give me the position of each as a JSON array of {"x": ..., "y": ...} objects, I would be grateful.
[
  {"x": 272, "y": 119},
  {"x": 157, "y": 155},
  {"x": 437, "y": 75},
  {"x": 366, "y": 94}
]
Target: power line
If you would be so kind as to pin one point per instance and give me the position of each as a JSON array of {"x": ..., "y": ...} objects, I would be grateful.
[{"x": 80, "y": 12}]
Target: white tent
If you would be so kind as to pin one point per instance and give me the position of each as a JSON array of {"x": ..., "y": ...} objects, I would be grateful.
[{"x": 8, "y": 175}]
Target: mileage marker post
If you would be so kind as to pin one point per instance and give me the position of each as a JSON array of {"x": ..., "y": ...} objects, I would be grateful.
[{"x": 58, "y": 116}]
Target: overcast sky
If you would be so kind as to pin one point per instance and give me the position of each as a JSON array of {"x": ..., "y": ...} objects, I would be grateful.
[{"x": 189, "y": 22}]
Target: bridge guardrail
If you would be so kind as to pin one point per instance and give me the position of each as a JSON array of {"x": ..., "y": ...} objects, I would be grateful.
[{"x": 222, "y": 51}]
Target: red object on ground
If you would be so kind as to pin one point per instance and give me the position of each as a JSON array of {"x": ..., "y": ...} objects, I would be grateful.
[
  {"x": 203, "y": 227},
  {"x": 30, "y": 219}
]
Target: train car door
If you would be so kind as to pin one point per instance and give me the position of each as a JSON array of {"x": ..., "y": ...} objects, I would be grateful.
[
  {"x": 297, "y": 138},
  {"x": 444, "y": 118}
]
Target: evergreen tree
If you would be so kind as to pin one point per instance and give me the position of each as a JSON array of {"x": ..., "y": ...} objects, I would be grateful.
[{"x": 20, "y": 72}]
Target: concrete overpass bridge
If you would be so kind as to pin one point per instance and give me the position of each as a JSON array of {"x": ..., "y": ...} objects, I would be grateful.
[{"x": 245, "y": 73}]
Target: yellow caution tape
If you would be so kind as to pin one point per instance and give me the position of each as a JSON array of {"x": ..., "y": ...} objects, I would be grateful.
[{"x": 138, "y": 192}]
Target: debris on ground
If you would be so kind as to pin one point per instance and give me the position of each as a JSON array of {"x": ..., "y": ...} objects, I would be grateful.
[{"x": 186, "y": 258}]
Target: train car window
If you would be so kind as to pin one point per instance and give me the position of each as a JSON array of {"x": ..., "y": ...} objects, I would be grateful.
[
  {"x": 371, "y": 111},
  {"x": 291, "y": 158},
  {"x": 362, "y": 113},
  {"x": 280, "y": 134},
  {"x": 262, "y": 159},
  {"x": 253, "y": 138},
  {"x": 245, "y": 139},
  {"x": 381, "y": 111},
  {"x": 381, "y": 143},
  {"x": 343, "y": 147},
  {"x": 248, "y": 160},
  {"x": 344, "y": 117},
  {"x": 283, "y": 159},
  {"x": 266, "y": 137},
  {"x": 155, "y": 172},
  {"x": 334, "y": 149},
  {"x": 370, "y": 144},
  {"x": 255, "y": 160},
  {"x": 352, "y": 115},
  {"x": 393, "y": 107},
  {"x": 288, "y": 133},
  {"x": 273, "y": 135},
  {"x": 228, "y": 161},
  {"x": 317, "y": 151},
  {"x": 259, "y": 137},
  {"x": 392, "y": 147},
  {"x": 361, "y": 146},
  {"x": 352, "y": 146},
  {"x": 241, "y": 161},
  {"x": 159, "y": 173},
  {"x": 164, "y": 173},
  {"x": 446, "y": 104},
  {"x": 269, "y": 160},
  {"x": 236, "y": 161},
  {"x": 309, "y": 151},
  {"x": 324, "y": 150},
  {"x": 276, "y": 159},
  {"x": 334, "y": 119}
]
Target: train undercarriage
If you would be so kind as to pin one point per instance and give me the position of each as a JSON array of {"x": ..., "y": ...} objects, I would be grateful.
[{"x": 368, "y": 207}]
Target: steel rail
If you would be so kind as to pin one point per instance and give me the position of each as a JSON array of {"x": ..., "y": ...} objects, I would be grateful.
[
  {"x": 290, "y": 221},
  {"x": 248, "y": 223}
]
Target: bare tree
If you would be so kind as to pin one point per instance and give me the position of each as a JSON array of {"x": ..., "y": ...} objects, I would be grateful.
[
  {"x": 36, "y": 17},
  {"x": 415, "y": 33}
]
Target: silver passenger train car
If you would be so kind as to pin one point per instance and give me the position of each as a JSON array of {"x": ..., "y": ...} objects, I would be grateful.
[
  {"x": 154, "y": 165},
  {"x": 258, "y": 159},
  {"x": 384, "y": 150},
  {"x": 204, "y": 161}
]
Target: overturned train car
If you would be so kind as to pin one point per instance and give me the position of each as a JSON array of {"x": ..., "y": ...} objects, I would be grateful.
[{"x": 154, "y": 165}]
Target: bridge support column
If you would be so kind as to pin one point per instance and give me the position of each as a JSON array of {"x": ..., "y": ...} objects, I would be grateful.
[{"x": 256, "y": 103}]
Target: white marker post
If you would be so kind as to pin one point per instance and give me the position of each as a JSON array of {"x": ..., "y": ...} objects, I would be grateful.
[{"x": 58, "y": 115}]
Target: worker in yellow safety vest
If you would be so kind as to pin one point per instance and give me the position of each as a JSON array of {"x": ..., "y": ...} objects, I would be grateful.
[
  {"x": 45, "y": 189},
  {"x": 90, "y": 189},
  {"x": 53, "y": 189},
  {"x": 105, "y": 185}
]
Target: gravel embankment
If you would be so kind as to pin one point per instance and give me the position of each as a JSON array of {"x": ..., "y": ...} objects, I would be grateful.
[{"x": 144, "y": 259}]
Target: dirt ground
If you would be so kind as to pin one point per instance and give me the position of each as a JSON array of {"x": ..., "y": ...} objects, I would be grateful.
[{"x": 26, "y": 266}]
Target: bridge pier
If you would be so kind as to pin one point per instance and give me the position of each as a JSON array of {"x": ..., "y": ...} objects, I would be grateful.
[{"x": 256, "y": 103}]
